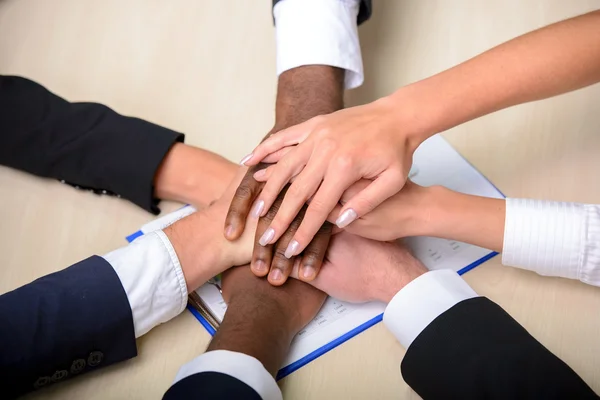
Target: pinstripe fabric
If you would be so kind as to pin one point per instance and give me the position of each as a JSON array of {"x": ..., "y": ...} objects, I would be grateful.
[{"x": 553, "y": 238}]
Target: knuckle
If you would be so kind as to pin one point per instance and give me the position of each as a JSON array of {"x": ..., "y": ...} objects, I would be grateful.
[
  {"x": 343, "y": 162},
  {"x": 286, "y": 163},
  {"x": 318, "y": 121},
  {"x": 365, "y": 204},
  {"x": 327, "y": 145},
  {"x": 234, "y": 213},
  {"x": 272, "y": 213},
  {"x": 299, "y": 190},
  {"x": 313, "y": 256},
  {"x": 317, "y": 207},
  {"x": 244, "y": 192}
]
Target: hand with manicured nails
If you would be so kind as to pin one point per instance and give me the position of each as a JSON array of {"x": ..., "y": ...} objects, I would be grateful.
[
  {"x": 269, "y": 259},
  {"x": 325, "y": 156},
  {"x": 302, "y": 93}
]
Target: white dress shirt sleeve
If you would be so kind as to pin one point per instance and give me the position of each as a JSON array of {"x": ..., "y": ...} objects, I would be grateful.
[
  {"x": 553, "y": 238},
  {"x": 151, "y": 275},
  {"x": 240, "y": 366},
  {"x": 319, "y": 32},
  {"x": 421, "y": 301}
]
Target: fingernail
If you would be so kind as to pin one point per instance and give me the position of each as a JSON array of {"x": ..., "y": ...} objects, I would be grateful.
[
  {"x": 266, "y": 238},
  {"x": 260, "y": 266},
  {"x": 291, "y": 249},
  {"x": 346, "y": 218},
  {"x": 259, "y": 174},
  {"x": 308, "y": 272},
  {"x": 257, "y": 209},
  {"x": 229, "y": 231},
  {"x": 276, "y": 275},
  {"x": 245, "y": 159}
]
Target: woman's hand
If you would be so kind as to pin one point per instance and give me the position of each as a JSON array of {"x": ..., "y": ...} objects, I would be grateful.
[
  {"x": 407, "y": 213},
  {"x": 329, "y": 154}
]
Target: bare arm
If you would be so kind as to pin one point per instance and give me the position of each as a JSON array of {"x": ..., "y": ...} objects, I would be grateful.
[{"x": 556, "y": 59}]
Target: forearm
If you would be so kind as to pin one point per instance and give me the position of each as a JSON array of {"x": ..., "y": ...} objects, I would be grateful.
[
  {"x": 244, "y": 322},
  {"x": 200, "y": 251},
  {"x": 193, "y": 175},
  {"x": 466, "y": 218},
  {"x": 555, "y": 59},
  {"x": 306, "y": 92}
]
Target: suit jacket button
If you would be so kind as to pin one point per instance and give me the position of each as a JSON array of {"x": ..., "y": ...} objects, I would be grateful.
[
  {"x": 58, "y": 375},
  {"x": 77, "y": 366},
  {"x": 95, "y": 358},
  {"x": 41, "y": 381}
]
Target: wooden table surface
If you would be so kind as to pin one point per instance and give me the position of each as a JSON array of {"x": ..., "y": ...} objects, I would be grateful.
[{"x": 207, "y": 68}]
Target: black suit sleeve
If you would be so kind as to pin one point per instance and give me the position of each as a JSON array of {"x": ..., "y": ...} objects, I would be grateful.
[
  {"x": 211, "y": 386},
  {"x": 63, "y": 325},
  {"x": 476, "y": 350},
  {"x": 84, "y": 144},
  {"x": 364, "y": 13}
]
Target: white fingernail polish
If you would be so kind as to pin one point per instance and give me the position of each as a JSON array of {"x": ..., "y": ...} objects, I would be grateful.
[
  {"x": 291, "y": 249},
  {"x": 346, "y": 218},
  {"x": 266, "y": 238},
  {"x": 257, "y": 209},
  {"x": 245, "y": 159}
]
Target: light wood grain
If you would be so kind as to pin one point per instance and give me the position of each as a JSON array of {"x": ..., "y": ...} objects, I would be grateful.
[{"x": 206, "y": 68}]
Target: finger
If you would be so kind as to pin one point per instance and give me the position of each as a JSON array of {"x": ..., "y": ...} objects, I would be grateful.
[
  {"x": 281, "y": 266},
  {"x": 296, "y": 268},
  {"x": 264, "y": 174},
  {"x": 383, "y": 187},
  {"x": 354, "y": 190},
  {"x": 314, "y": 254},
  {"x": 262, "y": 255},
  {"x": 241, "y": 203},
  {"x": 282, "y": 172},
  {"x": 303, "y": 188},
  {"x": 278, "y": 155},
  {"x": 286, "y": 137},
  {"x": 319, "y": 208},
  {"x": 334, "y": 213}
]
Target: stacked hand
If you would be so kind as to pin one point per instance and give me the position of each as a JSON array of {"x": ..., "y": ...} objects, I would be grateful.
[
  {"x": 324, "y": 157},
  {"x": 360, "y": 270},
  {"x": 269, "y": 256}
]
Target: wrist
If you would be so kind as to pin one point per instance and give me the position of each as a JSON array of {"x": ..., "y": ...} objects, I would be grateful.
[
  {"x": 401, "y": 273},
  {"x": 427, "y": 212},
  {"x": 420, "y": 111},
  {"x": 201, "y": 253},
  {"x": 306, "y": 92},
  {"x": 265, "y": 334},
  {"x": 192, "y": 175}
]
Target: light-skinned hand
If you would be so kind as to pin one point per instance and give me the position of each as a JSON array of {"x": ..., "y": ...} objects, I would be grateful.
[
  {"x": 360, "y": 270},
  {"x": 325, "y": 156}
]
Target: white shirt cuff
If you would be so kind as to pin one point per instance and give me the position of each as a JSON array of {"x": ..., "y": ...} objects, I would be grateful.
[
  {"x": 553, "y": 238},
  {"x": 319, "y": 32},
  {"x": 238, "y": 365},
  {"x": 421, "y": 301},
  {"x": 151, "y": 275}
]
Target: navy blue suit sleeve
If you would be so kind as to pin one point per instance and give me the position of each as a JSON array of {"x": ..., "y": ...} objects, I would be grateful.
[
  {"x": 63, "y": 325},
  {"x": 211, "y": 386},
  {"x": 87, "y": 145},
  {"x": 476, "y": 350}
]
